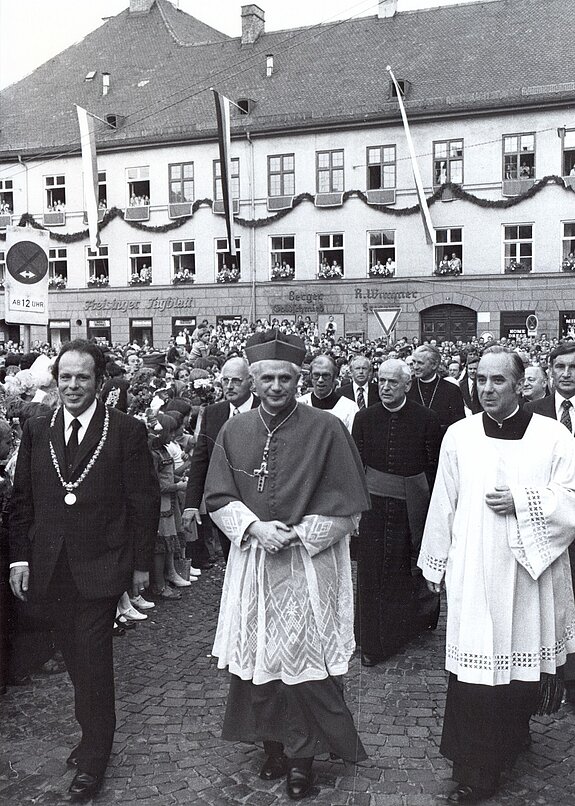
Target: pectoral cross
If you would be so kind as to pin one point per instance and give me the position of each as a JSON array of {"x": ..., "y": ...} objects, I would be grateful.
[{"x": 262, "y": 472}]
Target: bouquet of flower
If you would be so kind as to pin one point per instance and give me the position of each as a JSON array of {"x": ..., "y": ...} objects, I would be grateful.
[
  {"x": 228, "y": 276},
  {"x": 282, "y": 273},
  {"x": 329, "y": 272}
]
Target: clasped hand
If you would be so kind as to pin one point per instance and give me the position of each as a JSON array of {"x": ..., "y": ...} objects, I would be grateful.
[
  {"x": 272, "y": 535},
  {"x": 501, "y": 501}
]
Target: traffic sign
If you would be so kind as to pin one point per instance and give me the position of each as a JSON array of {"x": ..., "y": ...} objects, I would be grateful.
[
  {"x": 387, "y": 317},
  {"x": 26, "y": 280}
]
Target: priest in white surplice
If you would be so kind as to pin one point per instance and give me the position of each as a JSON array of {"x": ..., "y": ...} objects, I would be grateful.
[
  {"x": 286, "y": 485},
  {"x": 499, "y": 524}
]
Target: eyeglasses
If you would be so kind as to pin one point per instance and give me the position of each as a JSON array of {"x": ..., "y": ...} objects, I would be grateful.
[
  {"x": 325, "y": 376},
  {"x": 232, "y": 381}
]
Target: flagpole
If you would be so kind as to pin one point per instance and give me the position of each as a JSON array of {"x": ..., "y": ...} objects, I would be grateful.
[{"x": 425, "y": 217}]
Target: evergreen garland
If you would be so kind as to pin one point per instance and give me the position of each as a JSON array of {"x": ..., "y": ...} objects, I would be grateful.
[{"x": 456, "y": 192}]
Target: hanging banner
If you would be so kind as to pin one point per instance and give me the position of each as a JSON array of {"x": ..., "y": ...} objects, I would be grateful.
[{"x": 26, "y": 280}]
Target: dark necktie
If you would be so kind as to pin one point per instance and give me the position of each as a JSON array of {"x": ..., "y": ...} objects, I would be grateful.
[
  {"x": 72, "y": 446},
  {"x": 566, "y": 416},
  {"x": 360, "y": 398}
]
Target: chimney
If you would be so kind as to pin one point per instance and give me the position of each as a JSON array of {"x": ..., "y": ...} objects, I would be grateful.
[
  {"x": 386, "y": 9},
  {"x": 141, "y": 6},
  {"x": 253, "y": 24},
  {"x": 105, "y": 83}
]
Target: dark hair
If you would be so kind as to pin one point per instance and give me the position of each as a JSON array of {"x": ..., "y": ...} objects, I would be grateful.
[
  {"x": 87, "y": 348},
  {"x": 566, "y": 348},
  {"x": 517, "y": 365}
]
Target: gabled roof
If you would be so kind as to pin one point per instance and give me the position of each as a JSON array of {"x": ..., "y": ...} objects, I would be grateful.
[{"x": 458, "y": 59}]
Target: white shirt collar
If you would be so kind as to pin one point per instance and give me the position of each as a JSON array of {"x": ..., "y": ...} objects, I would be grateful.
[
  {"x": 246, "y": 406},
  {"x": 84, "y": 418},
  {"x": 397, "y": 408},
  {"x": 559, "y": 403}
]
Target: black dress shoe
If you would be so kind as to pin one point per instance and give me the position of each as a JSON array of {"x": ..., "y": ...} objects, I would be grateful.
[
  {"x": 469, "y": 794},
  {"x": 72, "y": 760},
  {"x": 273, "y": 767},
  {"x": 368, "y": 660},
  {"x": 84, "y": 786},
  {"x": 299, "y": 782}
]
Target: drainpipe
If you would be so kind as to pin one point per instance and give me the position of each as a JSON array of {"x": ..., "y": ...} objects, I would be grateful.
[{"x": 253, "y": 230}]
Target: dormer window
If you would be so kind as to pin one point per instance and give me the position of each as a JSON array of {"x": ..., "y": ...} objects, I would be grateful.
[
  {"x": 404, "y": 86},
  {"x": 246, "y": 106},
  {"x": 90, "y": 76}
]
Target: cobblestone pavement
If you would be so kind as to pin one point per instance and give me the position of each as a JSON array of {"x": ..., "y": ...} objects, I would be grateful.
[{"x": 170, "y": 703}]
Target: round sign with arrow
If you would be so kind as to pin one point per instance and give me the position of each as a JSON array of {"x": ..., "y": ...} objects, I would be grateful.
[{"x": 27, "y": 262}]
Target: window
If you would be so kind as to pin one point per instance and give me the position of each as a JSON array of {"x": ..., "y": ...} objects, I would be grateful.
[
  {"x": 183, "y": 259},
  {"x": 224, "y": 261},
  {"x": 329, "y": 168},
  {"x": 102, "y": 191},
  {"x": 330, "y": 254},
  {"x": 98, "y": 266},
  {"x": 568, "y": 246},
  {"x": 448, "y": 162},
  {"x": 138, "y": 180},
  {"x": 234, "y": 179},
  {"x": 55, "y": 193},
  {"x": 449, "y": 251},
  {"x": 281, "y": 175},
  {"x": 282, "y": 256},
  {"x": 568, "y": 153},
  {"x": 381, "y": 253},
  {"x": 181, "y": 182},
  {"x": 519, "y": 156},
  {"x": 518, "y": 247},
  {"x": 380, "y": 167},
  {"x": 58, "y": 332},
  {"x": 6, "y": 196},
  {"x": 140, "y": 263},
  {"x": 57, "y": 265}
]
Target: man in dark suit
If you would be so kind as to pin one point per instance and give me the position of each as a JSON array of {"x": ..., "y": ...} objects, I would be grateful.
[
  {"x": 431, "y": 391},
  {"x": 468, "y": 385},
  {"x": 360, "y": 389},
  {"x": 237, "y": 384},
  {"x": 84, "y": 517},
  {"x": 560, "y": 406}
]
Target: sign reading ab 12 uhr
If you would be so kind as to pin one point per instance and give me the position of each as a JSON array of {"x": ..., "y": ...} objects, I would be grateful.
[{"x": 26, "y": 280}]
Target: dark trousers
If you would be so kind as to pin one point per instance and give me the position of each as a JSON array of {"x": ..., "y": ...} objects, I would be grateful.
[{"x": 83, "y": 633}]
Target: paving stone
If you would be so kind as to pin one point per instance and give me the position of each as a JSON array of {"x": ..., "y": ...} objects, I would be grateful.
[{"x": 171, "y": 700}]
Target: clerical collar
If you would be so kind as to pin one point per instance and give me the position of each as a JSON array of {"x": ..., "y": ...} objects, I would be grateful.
[
  {"x": 271, "y": 420},
  {"x": 429, "y": 380},
  {"x": 397, "y": 408},
  {"x": 513, "y": 427},
  {"x": 325, "y": 403}
]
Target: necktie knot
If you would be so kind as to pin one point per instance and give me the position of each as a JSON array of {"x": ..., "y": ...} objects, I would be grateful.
[{"x": 566, "y": 405}]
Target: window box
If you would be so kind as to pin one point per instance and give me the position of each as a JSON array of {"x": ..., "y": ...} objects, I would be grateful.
[
  {"x": 386, "y": 197},
  {"x": 5, "y": 219},
  {"x": 449, "y": 270},
  {"x": 568, "y": 264},
  {"x": 183, "y": 278},
  {"x": 101, "y": 213},
  {"x": 98, "y": 282},
  {"x": 55, "y": 219},
  {"x": 516, "y": 267},
  {"x": 380, "y": 270},
  {"x": 276, "y": 203},
  {"x": 228, "y": 276},
  {"x": 135, "y": 279},
  {"x": 218, "y": 206},
  {"x": 180, "y": 210},
  {"x": 328, "y": 199},
  {"x": 56, "y": 283},
  {"x": 138, "y": 213},
  {"x": 327, "y": 272},
  {"x": 282, "y": 273},
  {"x": 515, "y": 187}
]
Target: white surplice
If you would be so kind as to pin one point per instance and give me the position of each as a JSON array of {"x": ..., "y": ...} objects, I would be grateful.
[{"x": 511, "y": 614}]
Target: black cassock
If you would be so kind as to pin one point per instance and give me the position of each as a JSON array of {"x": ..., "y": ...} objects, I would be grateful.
[{"x": 393, "y": 602}]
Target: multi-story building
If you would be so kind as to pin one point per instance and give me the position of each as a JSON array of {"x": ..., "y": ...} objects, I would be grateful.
[{"x": 326, "y": 219}]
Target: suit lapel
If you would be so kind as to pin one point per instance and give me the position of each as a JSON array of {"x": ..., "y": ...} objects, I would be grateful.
[
  {"x": 91, "y": 437},
  {"x": 57, "y": 440}
]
